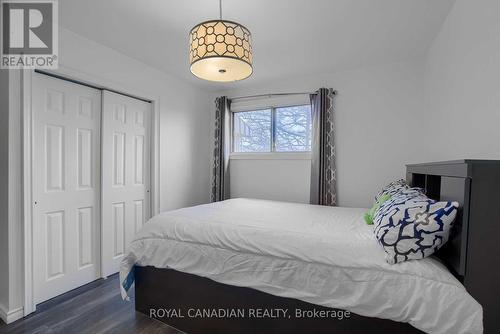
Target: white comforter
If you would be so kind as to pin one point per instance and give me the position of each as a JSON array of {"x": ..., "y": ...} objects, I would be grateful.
[{"x": 322, "y": 255}]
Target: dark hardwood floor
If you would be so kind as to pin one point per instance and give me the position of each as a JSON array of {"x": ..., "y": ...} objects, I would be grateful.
[{"x": 94, "y": 308}]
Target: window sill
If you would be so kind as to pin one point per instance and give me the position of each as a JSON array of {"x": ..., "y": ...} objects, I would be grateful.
[{"x": 271, "y": 156}]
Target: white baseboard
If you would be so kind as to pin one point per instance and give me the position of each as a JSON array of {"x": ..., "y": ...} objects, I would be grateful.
[{"x": 12, "y": 315}]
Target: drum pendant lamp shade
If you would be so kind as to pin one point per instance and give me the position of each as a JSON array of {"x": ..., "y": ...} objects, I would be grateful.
[{"x": 220, "y": 51}]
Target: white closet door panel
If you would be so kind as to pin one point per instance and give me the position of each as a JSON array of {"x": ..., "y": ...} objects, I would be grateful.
[
  {"x": 66, "y": 188},
  {"x": 138, "y": 214},
  {"x": 125, "y": 174},
  {"x": 54, "y": 234},
  {"x": 118, "y": 218},
  {"x": 84, "y": 156},
  {"x": 85, "y": 226}
]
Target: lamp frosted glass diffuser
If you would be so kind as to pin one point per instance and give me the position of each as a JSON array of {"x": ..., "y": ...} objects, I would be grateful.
[{"x": 220, "y": 51}]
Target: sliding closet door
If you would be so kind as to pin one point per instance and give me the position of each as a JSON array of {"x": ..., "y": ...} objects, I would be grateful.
[
  {"x": 125, "y": 174},
  {"x": 66, "y": 185}
]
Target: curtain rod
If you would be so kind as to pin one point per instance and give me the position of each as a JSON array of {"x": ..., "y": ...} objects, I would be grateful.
[{"x": 275, "y": 94}]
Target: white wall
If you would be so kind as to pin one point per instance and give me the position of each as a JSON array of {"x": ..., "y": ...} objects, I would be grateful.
[
  {"x": 184, "y": 112},
  {"x": 379, "y": 121},
  {"x": 10, "y": 196},
  {"x": 282, "y": 180},
  {"x": 15, "y": 196},
  {"x": 443, "y": 107},
  {"x": 462, "y": 81},
  {"x": 4, "y": 174},
  {"x": 184, "y": 149}
]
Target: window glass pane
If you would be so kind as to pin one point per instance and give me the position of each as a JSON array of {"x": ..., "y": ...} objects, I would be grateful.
[
  {"x": 293, "y": 129},
  {"x": 252, "y": 131}
]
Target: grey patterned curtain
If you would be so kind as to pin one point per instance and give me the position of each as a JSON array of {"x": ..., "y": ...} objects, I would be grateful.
[
  {"x": 220, "y": 171},
  {"x": 323, "y": 168}
]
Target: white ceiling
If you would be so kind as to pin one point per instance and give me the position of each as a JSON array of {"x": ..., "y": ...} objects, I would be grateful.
[{"x": 290, "y": 37}]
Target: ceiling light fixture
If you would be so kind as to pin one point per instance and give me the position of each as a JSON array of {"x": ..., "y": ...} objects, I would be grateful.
[{"x": 220, "y": 50}]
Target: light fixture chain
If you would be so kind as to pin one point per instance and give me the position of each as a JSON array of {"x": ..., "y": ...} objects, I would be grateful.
[{"x": 220, "y": 9}]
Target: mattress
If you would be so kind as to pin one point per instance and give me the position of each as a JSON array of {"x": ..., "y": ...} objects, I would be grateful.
[{"x": 322, "y": 255}]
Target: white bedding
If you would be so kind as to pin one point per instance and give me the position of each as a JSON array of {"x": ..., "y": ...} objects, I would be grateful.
[{"x": 322, "y": 255}]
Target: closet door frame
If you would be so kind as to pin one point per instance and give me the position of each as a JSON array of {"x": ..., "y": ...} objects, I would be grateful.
[{"x": 64, "y": 73}]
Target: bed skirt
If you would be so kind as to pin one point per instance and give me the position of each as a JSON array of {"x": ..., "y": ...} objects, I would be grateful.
[{"x": 196, "y": 304}]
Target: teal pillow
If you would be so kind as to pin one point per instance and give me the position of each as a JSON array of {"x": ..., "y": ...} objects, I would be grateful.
[{"x": 370, "y": 214}]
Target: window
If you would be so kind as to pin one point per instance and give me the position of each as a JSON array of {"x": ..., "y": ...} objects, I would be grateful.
[
  {"x": 252, "y": 131},
  {"x": 292, "y": 129},
  {"x": 283, "y": 129}
]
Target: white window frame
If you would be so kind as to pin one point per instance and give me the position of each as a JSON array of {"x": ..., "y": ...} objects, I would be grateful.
[{"x": 272, "y": 154}]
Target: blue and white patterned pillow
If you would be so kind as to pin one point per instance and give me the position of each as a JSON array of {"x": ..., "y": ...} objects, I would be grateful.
[
  {"x": 411, "y": 226},
  {"x": 403, "y": 195},
  {"x": 392, "y": 188}
]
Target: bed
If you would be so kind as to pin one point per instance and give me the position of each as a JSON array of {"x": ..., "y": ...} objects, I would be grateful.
[{"x": 310, "y": 265}]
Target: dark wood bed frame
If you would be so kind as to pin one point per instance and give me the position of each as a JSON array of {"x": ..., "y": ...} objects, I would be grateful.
[{"x": 472, "y": 255}]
